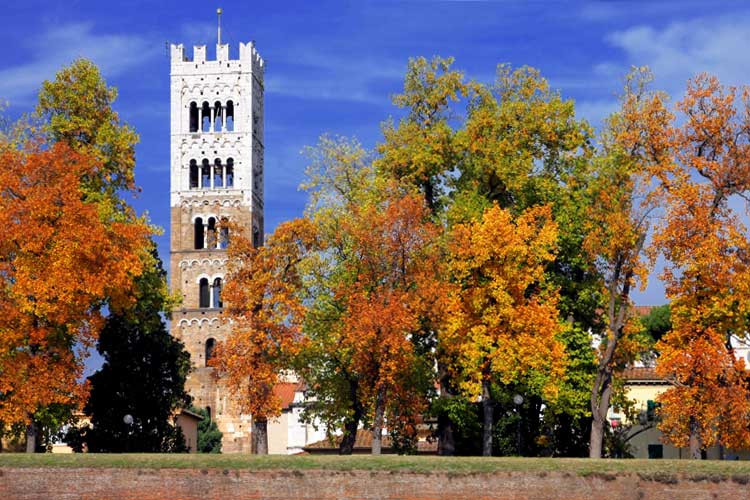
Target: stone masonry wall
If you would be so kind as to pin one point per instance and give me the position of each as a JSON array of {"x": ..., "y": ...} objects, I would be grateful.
[{"x": 191, "y": 484}]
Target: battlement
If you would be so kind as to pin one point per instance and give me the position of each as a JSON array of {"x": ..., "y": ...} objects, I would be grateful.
[{"x": 248, "y": 54}]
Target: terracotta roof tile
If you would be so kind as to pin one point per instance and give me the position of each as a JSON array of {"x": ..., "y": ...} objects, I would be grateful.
[
  {"x": 285, "y": 392},
  {"x": 640, "y": 374}
]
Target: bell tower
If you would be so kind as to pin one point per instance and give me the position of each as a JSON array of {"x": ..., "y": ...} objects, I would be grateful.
[{"x": 216, "y": 176}]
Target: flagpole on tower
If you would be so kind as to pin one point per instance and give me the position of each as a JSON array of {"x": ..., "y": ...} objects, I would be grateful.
[{"x": 218, "y": 14}]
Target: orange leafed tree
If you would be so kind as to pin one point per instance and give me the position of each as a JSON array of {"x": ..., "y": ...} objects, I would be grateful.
[
  {"x": 264, "y": 305},
  {"x": 708, "y": 276},
  {"x": 623, "y": 202},
  {"x": 394, "y": 293},
  {"x": 503, "y": 324},
  {"x": 59, "y": 262}
]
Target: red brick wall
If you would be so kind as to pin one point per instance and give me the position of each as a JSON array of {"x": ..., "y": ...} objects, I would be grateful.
[{"x": 191, "y": 484}]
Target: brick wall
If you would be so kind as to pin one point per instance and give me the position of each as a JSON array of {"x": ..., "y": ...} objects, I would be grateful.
[{"x": 192, "y": 484}]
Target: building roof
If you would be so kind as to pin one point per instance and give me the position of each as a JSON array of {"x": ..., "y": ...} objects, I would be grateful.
[
  {"x": 285, "y": 392},
  {"x": 642, "y": 375},
  {"x": 189, "y": 413}
]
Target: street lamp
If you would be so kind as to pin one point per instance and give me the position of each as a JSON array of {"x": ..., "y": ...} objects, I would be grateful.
[
  {"x": 128, "y": 420},
  {"x": 518, "y": 401}
]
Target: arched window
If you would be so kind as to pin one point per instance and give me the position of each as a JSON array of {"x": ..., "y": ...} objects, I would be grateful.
[
  {"x": 217, "y": 293},
  {"x": 218, "y": 118},
  {"x": 211, "y": 236},
  {"x": 205, "y": 117},
  {"x": 194, "y": 174},
  {"x": 229, "y": 172},
  {"x": 205, "y": 175},
  {"x": 210, "y": 344},
  {"x": 224, "y": 233},
  {"x": 193, "y": 116},
  {"x": 218, "y": 174},
  {"x": 208, "y": 411},
  {"x": 204, "y": 299},
  {"x": 229, "y": 111},
  {"x": 199, "y": 236}
]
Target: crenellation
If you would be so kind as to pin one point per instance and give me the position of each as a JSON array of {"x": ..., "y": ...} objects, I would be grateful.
[
  {"x": 177, "y": 53},
  {"x": 222, "y": 52},
  {"x": 248, "y": 55}
]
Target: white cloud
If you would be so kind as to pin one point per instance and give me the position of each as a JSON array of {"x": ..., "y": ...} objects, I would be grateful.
[
  {"x": 681, "y": 49},
  {"x": 60, "y": 45}
]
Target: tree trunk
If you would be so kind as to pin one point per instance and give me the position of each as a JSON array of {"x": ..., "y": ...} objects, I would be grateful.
[
  {"x": 597, "y": 438},
  {"x": 377, "y": 425},
  {"x": 600, "y": 397},
  {"x": 446, "y": 437},
  {"x": 487, "y": 418},
  {"x": 31, "y": 434},
  {"x": 260, "y": 436},
  {"x": 695, "y": 440},
  {"x": 352, "y": 423},
  {"x": 601, "y": 392},
  {"x": 429, "y": 196}
]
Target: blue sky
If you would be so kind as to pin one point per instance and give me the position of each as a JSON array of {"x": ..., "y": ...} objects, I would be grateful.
[{"x": 332, "y": 66}]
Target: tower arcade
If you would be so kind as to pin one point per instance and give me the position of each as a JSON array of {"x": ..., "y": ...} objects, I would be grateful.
[{"x": 216, "y": 176}]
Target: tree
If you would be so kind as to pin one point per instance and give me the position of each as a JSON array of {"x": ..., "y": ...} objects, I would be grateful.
[
  {"x": 143, "y": 374},
  {"x": 706, "y": 248},
  {"x": 340, "y": 175},
  {"x": 73, "y": 110},
  {"x": 522, "y": 146},
  {"x": 657, "y": 323},
  {"x": 264, "y": 304},
  {"x": 59, "y": 263},
  {"x": 622, "y": 203},
  {"x": 77, "y": 107},
  {"x": 420, "y": 151},
  {"x": 503, "y": 325},
  {"x": 209, "y": 435},
  {"x": 395, "y": 290}
]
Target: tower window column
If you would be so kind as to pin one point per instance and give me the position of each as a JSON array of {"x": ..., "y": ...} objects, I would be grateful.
[{"x": 218, "y": 125}]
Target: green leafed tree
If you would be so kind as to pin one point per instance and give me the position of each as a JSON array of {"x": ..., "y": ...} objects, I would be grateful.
[
  {"x": 77, "y": 109},
  {"x": 143, "y": 375},
  {"x": 209, "y": 435}
]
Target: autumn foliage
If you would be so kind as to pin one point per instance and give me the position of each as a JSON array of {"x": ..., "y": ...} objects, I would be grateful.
[
  {"x": 503, "y": 323},
  {"x": 266, "y": 312},
  {"x": 706, "y": 245},
  {"x": 59, "y": 263},
  {"x": 395, "y": 291},
  {"x": 476, "y": 253}
]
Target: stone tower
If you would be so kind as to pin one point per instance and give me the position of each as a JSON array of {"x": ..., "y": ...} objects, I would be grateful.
[{"x": 216, "y": 175}]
